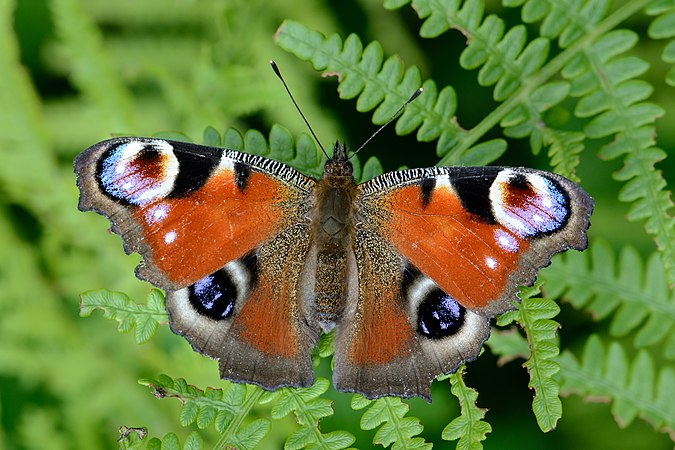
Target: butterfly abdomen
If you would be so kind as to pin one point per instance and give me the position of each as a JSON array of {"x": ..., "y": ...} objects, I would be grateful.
[{"x": 333, "y": 219}]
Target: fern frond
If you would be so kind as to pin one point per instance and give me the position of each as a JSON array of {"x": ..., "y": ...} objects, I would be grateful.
[
  {"x": 611, "y": 96},
  {"x": 564, "y": 150},
  {"x": 309, "y": 408},
  {"x": 363, "y": 73},
  {"x": 640, "y": 296},
  {"x": 144, "y": 319},
  {"x": 303, "y": 154},
  {"x": 631, "y": 384},
  {"x": 663, "y": 27},
  {"x": 92, "y": 70},
  {"x": 134, "y": 438},
  {"x": 468, "y": 427},
  {"x": 396, "y": 430},
  {"x": 506, "y": 60},
  {"x": 226, "y": 409},
  {"x": 534, "y": 316}
]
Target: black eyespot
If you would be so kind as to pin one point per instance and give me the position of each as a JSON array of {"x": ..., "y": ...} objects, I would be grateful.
[
  {"x": 214, "y": 295},
  {"x": 439, "y": 315}
]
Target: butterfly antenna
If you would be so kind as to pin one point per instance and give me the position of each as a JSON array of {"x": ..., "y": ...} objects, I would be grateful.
[
  {"x": 393, "y": 117},
  {"x": 278, "y": 72}
]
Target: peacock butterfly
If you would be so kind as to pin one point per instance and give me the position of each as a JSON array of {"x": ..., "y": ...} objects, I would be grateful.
[{"x": 257, "y": 259}]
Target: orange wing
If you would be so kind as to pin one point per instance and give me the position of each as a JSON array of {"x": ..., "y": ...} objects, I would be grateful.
[
  {"x": 188, "y": 209},
  {"x": 225, "y": 233},
  {"x": 439, "y": 251},
  {"x": 478, "y": 232}
]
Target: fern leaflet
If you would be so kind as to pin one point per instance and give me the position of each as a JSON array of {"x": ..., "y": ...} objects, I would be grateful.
[
  {"x": 469, "y": 427},
  {"x": 144, "y": 319},
  {"x": 639, "y": 295},
  {"x": 534, "y": 315},
  {"x": 633, "y": 387},
  {"x": 309, "y": 408},
  {"x": 225, "y": 409},
  {"x": 663, "y": 27},
  {"x": 396, "y": 430}
]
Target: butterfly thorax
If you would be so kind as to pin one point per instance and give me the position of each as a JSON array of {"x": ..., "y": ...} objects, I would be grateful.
[{"x": 332, "y": 228}]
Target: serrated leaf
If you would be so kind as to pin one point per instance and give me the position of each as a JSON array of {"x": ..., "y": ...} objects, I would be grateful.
[
  {"x": 388, "y": 413},
  {"x": 632, "y": 386},
  {"x": 118, "y": 306},
  {"x": 468, "y": 428},
  {"x": 226, "y": 409},
  {"x": 617, "y": 284}
]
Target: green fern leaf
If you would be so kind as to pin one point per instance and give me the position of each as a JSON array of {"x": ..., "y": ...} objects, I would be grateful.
[
  {"x": 388, "y": 413},
  {"x": 171, "y": 442},
  {"x": 634, "y": 389},
  {"x": 663, "y": 27},
  {"x": 363, "y": 73},
  {"x": 226, "y": 409},
  {"x": 534, "y": 315},
  {"x": 508, "y": 345},
  {"x": 506, "y": 60},
  {"x": 469, "y": 427},
  {"x": 564, "y": 150},
  {"x": 309, "y": 408},
  {"x": 144, "y": 319},
  {"x": 640, "y": 298},
  {"x": 92, "y": 69}
]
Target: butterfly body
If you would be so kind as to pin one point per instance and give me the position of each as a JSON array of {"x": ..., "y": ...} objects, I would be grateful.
[{"x": 257, "y": 259}]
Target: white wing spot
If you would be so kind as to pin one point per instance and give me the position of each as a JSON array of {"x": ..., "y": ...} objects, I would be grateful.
[{"x": 170, "y": 237}]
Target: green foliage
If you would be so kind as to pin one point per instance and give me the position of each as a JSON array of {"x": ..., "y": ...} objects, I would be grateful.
[
  {"x": 225, "y": 409},
  {"x": 563, "y": 79},
  {"x": 388, "y": 413},
  {"x": 636, "y": 294},
  {"x": 118, "y": 306},
  {"x": 309, "y": 408},
  {"x": 135, "y": 438},
  {"x": 633, "y": 385},
  {"x": 534, "y": 316},
  {"x": 468, "y": 428}
]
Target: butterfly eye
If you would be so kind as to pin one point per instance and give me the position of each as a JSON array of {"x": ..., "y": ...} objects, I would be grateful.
[
  {"x": 138, "y": 172},
  {"x": 214, "y": 295},
  {"x": 439, "y": 315}
]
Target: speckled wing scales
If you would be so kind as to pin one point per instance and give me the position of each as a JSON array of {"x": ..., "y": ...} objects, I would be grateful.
[
  {"x": 440, "y": 251},
  {"x": 225, "y": 234}
]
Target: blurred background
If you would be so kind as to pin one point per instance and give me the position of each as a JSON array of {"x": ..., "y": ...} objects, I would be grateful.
[{"x": 74, "y": 72}]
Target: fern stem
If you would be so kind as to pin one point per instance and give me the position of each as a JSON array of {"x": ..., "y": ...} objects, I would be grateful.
[
  {"x": 553, "y": 67},
  {"x": 243, "y": 413}
]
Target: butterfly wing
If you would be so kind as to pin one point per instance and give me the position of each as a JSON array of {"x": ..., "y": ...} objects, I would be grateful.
[
  {"x": 225, "y": 234},
  {"x": 439, "y": 251}
]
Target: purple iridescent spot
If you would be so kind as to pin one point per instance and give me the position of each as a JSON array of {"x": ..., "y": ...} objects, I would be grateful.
[
  {"x": 214, "y": 295},
  {"x": 439, "y": 315}
]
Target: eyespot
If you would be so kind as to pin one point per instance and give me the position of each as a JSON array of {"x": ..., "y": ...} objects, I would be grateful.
[
  {"x": 528, "y": 204},
  {"x": 214, "y": 295},
  {"x": 439, "y": 315},
  {"x": 138, "y": 172}
]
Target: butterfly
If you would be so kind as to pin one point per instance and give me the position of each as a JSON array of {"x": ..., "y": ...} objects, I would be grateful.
[{"x": 258, "y": 260}]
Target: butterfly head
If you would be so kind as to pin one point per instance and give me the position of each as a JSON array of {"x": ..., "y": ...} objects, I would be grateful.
[{"x": 339, "y": 166}]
